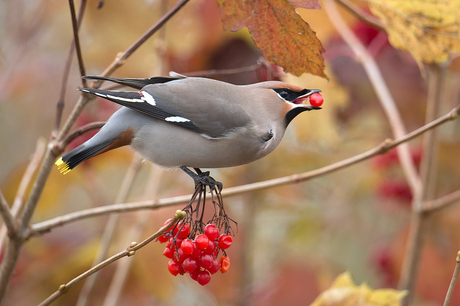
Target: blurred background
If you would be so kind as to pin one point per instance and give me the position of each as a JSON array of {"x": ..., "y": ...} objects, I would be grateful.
[{"x": 292, "y": 241}]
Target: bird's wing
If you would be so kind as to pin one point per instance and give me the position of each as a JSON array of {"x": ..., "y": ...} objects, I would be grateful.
[
  {"x": 136, "y": 83},
  {"x": 198, "y": 106}
]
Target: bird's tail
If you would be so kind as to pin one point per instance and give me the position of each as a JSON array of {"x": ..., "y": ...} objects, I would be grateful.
[{"x": 80, "y": 154}]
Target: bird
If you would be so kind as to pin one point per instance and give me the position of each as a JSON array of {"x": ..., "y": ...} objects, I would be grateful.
[{"x": 193, "y": 122}]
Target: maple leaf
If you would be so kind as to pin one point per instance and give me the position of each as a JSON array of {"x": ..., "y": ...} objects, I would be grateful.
[
  {"x": 344, "y": 292},
  {"x": 278, "y": 31},
  {"x": 428, "y": 29}
]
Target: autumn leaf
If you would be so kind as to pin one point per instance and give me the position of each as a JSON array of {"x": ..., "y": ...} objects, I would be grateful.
[
  {"x": 344, "y": 292},
  {"x": 278, "y": 31},
  {"x": 428, "y": 29}
]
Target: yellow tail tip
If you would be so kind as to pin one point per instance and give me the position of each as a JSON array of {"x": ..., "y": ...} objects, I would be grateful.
[{"x": 62, "y": 166}]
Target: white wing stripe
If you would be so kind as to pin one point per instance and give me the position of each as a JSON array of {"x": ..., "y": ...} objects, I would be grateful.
[
  {"x": 124, "y": 99},
  {"x": 148, "y": 98},
  {"x": 176, "y": 119}
]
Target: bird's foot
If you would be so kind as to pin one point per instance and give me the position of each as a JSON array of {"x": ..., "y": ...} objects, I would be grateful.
[{"x": 203, "y": 178}]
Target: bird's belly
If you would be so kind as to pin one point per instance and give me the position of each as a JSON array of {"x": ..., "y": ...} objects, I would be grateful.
[{"x": 171, "y": 146}]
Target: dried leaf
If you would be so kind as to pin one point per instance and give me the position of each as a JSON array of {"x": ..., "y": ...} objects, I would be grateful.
[
  {"x": 428, "y": 29},
  {"x": 306, "y": 4},
  {"x": 282, "y": 35},
  {"x": 344, "y": 292}
]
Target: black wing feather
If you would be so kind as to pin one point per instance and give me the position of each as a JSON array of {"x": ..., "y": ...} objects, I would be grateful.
[
  {"x": 134, "y": 83},
  {"x": 133, "y": 100}
]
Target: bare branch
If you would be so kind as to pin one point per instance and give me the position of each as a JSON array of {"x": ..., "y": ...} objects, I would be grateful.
[
  {"x": 453, "y": 281},
  {"x": 65, "y": 76},
  {"x": 123, "y": 56},
  {"x": 76, "y": 38},
  {"x": 45, "y": 226},
  {"x": 381, "y": 89},
  {"x": 110, "y": 226},
  {"x": 416, "y": 239},
  {"x": 80, "y": 131},
  {"x": 443, "y": 202},
  {"x": 5, "y": 212},
  {"x": 130, "y": 251}
]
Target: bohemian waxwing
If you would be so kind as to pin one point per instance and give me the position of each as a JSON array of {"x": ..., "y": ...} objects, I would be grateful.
[{"x": 179, "y": 121}]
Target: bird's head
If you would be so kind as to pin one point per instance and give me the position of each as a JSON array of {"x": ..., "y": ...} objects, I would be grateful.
[{"x": 294, "y": 99}]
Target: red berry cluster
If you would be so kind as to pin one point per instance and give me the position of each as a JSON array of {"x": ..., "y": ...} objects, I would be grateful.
[{"x": 198, "y": 257}]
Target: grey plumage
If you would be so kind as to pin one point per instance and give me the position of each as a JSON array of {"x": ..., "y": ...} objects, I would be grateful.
[{"x": 194, "y": 122}]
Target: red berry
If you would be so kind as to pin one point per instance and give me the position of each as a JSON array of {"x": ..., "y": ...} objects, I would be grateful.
[
  {"x": 203, "y": 277},
  {"x": 168, "y": 253},
  {"x": 181, "y": 256},
  {"x": 173, "y": 267},
  {"x": 172, "y": 245},
  {"x": 194, "y": 274},
  {"x": 196, "y": 251},
  {"x": 225, "y": 241},
  {"x": 205, "y": 261},
  {"x": 316, "y": 99},
  {"x": 182, "y": 230},
  {"x": 211, "y": 231},
  {"x": 211, "y": 247},
  {"x": 163, "y": 238},
  {"x": 224, "y": 264},
  {"x": 202, "y": 241},
  {"x": 190, "y": 265},
  {"x": 215, "y": 266},
  {"x": 187, "y": 246}
]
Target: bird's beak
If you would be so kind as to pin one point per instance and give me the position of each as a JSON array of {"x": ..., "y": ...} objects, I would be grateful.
[{"x": 300, "y": 100}]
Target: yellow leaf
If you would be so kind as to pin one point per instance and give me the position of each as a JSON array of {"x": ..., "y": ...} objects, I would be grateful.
[
  {"x": 428, "y": 29},
  {"x": 344, "y": 292}
]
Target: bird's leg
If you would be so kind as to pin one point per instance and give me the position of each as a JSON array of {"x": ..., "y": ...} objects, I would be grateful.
[{"x": 203, "y": 178}]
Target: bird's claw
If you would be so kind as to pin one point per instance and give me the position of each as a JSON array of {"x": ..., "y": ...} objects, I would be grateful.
[{"x": 203, "y": 178}]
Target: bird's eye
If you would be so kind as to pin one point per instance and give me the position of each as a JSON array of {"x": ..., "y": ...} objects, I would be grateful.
[{"x": 284, "y": 94}]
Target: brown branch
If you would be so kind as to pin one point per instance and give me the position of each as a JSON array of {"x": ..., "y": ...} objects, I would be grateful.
[
  {"x": 65, "y": 76},
  {"x": 76, "y": 38},
  {"x": 8, "y": 218},
  {"x": 46, "y": 226},
  {"x": 416, "y": 237},
  {"x": 80, "y": 131},
  {"x": 361, "y": 14},
  {"x": 453, "y": 281},
  {"x": 381, "y": 89},
  {"x": 110, "y": 227},
  {"x": 119, "y": 60},
  {"x": 130, "y": 251},
  {"x": 443, "y": 202}
]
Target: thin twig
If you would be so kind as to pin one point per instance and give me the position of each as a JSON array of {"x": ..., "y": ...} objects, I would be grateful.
[
  {"x": 141, "y": 220},
  {"x": 76, "y": 39},
  {"x": 130, "y": 251},
  {"x": 24, "y": 184},
  {"x": 5, "y": 212},
  {"x": 416, "y": 239},
  {"x": 362, "y": 15},
  {"x": 453, "y": 281},
  {"x": 65, "y": 75},
  {"x": 109, "y": 229},
  {"x": 443, "y": 202},
  {"x": 123, "y": 56},
  {"x": 381, "y": 90},
  {"x": 45, "y": 226},
  {"x": 80, "y": 131}
]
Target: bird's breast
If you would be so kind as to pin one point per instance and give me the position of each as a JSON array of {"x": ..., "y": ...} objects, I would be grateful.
[{"x": 171, "y": 146}]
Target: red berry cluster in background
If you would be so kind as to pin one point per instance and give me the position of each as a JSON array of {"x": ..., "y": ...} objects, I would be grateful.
[{"x": 196, "y": 253}]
